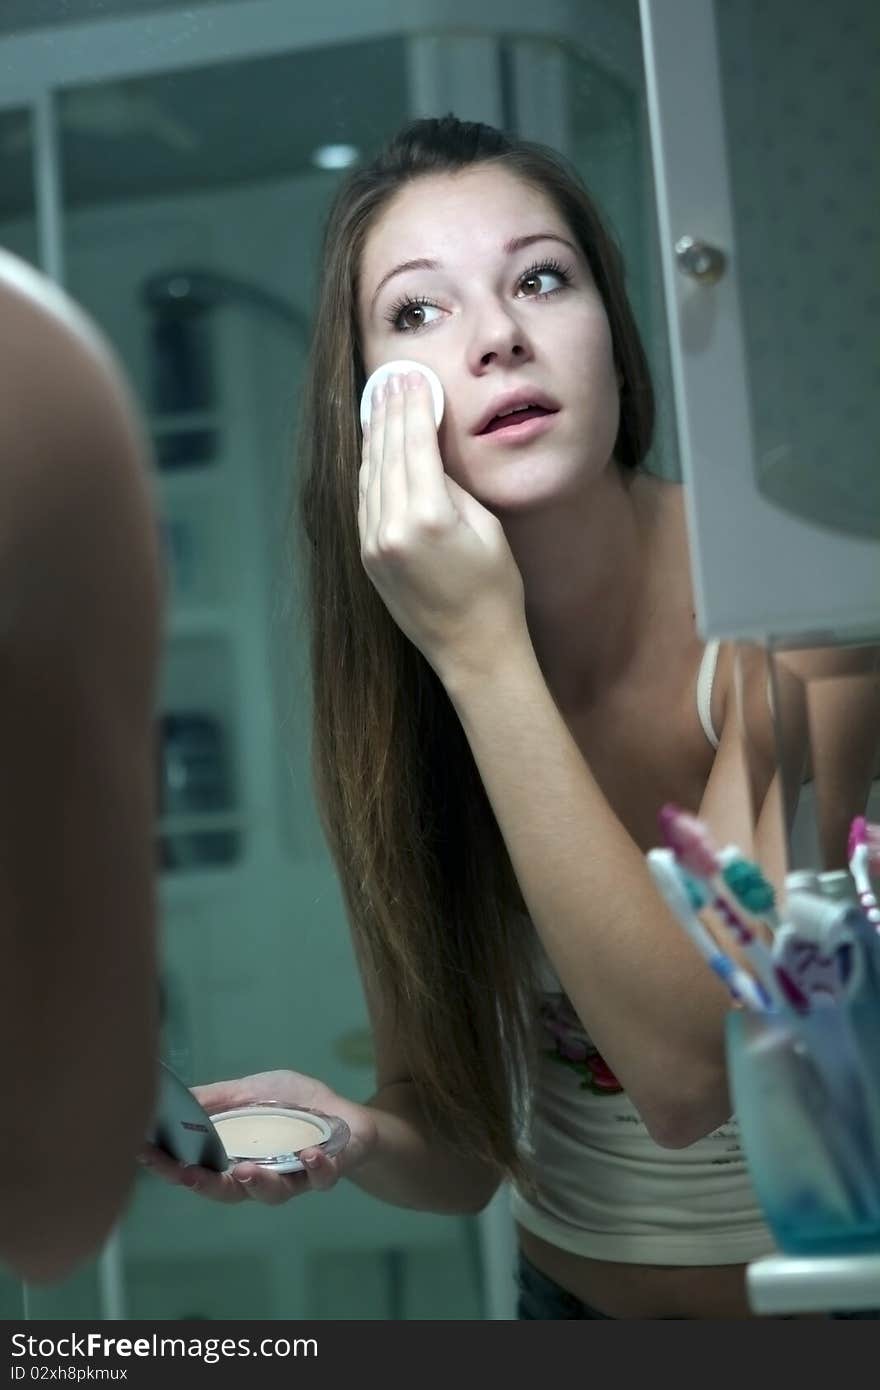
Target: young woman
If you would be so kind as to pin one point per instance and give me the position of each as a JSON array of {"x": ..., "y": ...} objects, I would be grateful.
[{"x": 506, "y": 678}]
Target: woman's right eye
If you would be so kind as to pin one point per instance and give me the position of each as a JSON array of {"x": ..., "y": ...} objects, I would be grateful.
[{"x": 409, "y": 315}]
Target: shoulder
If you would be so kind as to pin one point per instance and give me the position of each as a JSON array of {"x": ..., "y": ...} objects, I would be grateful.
[
  {"x": 661, "y": 512},
  {"x": 666, "y": 591},
  {"x": 661, "y": 500},
  {"x": 66, "y": 412},
  {"x": 76, "y": 519}
]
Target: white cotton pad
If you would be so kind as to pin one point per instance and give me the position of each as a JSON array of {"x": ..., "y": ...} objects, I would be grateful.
[{"x": 402, "y": 367}]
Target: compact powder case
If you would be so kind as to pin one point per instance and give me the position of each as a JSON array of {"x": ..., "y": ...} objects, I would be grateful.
[
  {"x": 263, "y": 1132},
  {"x": 273, "y": 1135}
]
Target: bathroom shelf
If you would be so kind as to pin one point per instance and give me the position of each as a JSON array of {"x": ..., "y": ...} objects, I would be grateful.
[
  {"x": 814, "y": 1283},
  {"x": 186, "y": 423},
  {"x": 189, "y": 481},
  {"x": 187, "y": 443},
  {"x": 202, "y": 823}
]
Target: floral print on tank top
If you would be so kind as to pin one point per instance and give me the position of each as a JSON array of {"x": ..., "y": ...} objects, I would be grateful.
[{"x": 572, "y": 1048}]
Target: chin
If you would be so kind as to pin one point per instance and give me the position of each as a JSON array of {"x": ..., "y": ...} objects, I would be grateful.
[
  {"x": 517, "y": 486},
  {"x": 512, "y": 502}
]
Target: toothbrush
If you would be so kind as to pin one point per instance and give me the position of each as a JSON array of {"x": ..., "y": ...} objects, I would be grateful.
[
  {"x": 818, "y": 946},
  {"x": 689, "y": 841},
  {"x": 864, "y": 855},
  {"x": 749, "y": 886},
  {"x": 826, "y": 923},
  {"x": 822, "y": 946},
  {"x": 683, "y": 897}
]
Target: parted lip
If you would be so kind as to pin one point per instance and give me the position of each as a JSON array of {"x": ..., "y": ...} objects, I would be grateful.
[{"x": 523, "y": 395}]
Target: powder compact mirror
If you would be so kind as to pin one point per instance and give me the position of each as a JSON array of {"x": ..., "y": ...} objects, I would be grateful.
[
  {"x": 182, "y": 1128},
  {"x": 272, "y": 1134}
]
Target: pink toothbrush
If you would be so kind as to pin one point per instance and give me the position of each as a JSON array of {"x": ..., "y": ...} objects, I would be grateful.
[{"x": 864, "y": 856}]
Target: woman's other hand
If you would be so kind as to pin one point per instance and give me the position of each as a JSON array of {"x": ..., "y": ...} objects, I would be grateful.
[{"x": 249, "y": 1181}]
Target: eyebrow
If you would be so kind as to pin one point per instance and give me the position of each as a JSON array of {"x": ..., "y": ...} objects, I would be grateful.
[{"x": 510, "y": 248}]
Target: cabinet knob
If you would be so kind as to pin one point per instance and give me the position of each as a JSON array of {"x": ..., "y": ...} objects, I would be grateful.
[{"x": 699, "y": 260}]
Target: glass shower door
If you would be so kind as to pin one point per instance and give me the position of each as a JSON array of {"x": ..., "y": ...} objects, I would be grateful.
[
  {"x": 584, "y": 96},
  {"x": 588, "y": 101},
  {"x": 18, "y": 217},
  {"x": 192, "y": 219},
  {"x": 193, "y": 202}
]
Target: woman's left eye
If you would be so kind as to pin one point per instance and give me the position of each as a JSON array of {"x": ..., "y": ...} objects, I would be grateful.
[{"x": 538, "y": 273}]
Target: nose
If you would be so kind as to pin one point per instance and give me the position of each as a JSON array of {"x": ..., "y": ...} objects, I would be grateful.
[{"x": 498, "y": 339}]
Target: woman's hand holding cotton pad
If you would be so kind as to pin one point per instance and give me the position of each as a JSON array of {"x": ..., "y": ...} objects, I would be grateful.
[{"x": 401, "y": 367}]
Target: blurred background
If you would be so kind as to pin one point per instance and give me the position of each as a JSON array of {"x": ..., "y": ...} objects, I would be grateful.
[{"x": 171, "y": 164}]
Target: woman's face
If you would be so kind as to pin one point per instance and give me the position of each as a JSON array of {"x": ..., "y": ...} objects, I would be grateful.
[{"x": 502, "y": 303}]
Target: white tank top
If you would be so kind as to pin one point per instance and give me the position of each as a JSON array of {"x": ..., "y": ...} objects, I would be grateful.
[{"x": 604, "y": 1188}]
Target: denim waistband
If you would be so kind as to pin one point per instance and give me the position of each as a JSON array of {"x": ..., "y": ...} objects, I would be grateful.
[{"x": 540, "y": 1297}]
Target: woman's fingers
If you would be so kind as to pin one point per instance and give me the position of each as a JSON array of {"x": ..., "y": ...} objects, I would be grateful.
[
  {"x": 363, "y": 480},
  {"x": 401, "y": 478},
  {"x": 222, "y": 1095},
  {"x": 322, "y": 1172},
  {"x": 425, "y": 478},
  {"x": 271, "y": 1189},
  {"x": 392, "y": 492},
  {"x": 157, "y": 1161},
  {"x": 246, "y": 1181},
  {"x": 374, "y": 478},
  {"x": 261, "y": 1185},
  {"x": 218, "y": 1187}
]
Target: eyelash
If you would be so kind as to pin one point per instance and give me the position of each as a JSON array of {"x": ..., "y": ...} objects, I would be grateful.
[{"x": 411, "y": 301}]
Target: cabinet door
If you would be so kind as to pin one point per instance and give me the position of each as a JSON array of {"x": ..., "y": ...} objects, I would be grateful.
[{"x": 763, "y": 123}]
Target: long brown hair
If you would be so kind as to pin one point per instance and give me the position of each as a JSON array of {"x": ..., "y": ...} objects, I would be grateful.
[{"x": 438, "y": 918}]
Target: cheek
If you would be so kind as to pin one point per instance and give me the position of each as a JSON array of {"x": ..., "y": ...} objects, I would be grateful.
[
  {"x": 456, "y": 445},
  {"x": 371, "y": 359},
  {"x": 374, "y": 349},
  {"x": 451, "y": 436},
  {"x": 593, "y": 351}
]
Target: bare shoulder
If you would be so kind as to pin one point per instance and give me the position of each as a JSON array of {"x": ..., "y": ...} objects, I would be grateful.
[
  {"x": 60, "y": 380},
  {"x": 80, "y": 607},
  {"x": 668, "y": 589},
  {"x": 662, "y": 498},
  {"x": 661, "y": 507},
  {"x": 77, "y": 529}
]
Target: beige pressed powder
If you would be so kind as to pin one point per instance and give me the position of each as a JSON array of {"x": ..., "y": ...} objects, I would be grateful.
[
  {"x": 273, "y": 1135},
  {"x": 265, "y": 1136}
]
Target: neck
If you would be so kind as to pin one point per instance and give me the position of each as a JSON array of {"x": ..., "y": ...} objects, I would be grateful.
[{"x": 585, "y": 563}]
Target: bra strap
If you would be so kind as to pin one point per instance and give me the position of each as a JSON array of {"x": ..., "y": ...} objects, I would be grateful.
[{"x": 705, "y": 677}]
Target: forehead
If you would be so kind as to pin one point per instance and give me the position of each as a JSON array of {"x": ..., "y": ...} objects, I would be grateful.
[{"x": 450, "y": 217}]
